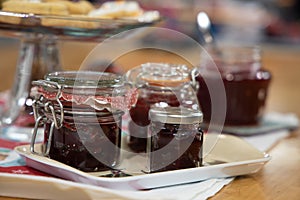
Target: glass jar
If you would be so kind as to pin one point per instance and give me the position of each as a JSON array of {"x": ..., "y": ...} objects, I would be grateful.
[
  {"x": 82, "y": 117},
  {"x": 159, "y": 85},
  {"x": 245, "y": 82},
  {"x": 175, "y": 139}
]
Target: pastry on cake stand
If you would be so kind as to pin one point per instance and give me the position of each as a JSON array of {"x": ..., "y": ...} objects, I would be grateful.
[{"x": 39, "y": 55}]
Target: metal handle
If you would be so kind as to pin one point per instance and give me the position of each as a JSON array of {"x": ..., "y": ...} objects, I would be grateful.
[
  {"x": 48, "y": 105},
  {"x": 49, "y": 139},
  {"x": 194, "y": 83},
  {"x": 34, "y": 134}
]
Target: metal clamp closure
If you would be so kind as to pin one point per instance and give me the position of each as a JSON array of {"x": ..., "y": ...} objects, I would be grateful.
[
  {"x": 57, "y": 122},
  {"x": 194, "y": 73},
  {"x": 48, "y": 107},
  {"x": 40, "y": 120}
]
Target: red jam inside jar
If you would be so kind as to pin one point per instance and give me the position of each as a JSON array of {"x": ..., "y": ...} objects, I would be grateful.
[
  {"x": 245, "y": 83},
  {"x": 82, "y": 116},
  {"x": 159, "y": 85},
  {"x": 139, "y": 114},
  {"x": 175, "y": 139},
  {"x": 88, "y": 144}
]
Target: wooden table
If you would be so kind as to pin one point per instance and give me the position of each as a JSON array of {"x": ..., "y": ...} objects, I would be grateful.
[{"x": 280, "y": 178}]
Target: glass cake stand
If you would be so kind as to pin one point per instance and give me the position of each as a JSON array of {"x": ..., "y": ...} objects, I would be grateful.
[{"x": 39, "y": 55}]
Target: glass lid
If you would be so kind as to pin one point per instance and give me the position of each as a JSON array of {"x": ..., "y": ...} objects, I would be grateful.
[
  {"x": 99, "y": 90},
  {"x": 159, "y": 74},
  {"x": 85, "y": 79}
]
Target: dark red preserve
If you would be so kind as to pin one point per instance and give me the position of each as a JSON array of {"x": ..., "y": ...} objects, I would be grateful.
[
  {"x": 175, "y": 139},
  {"x": 82, "y": 116},
  {"x": 245, "y": 84},
  {"x": 158, "y": 85}
]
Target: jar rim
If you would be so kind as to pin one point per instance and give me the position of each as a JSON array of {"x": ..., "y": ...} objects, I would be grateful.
[
  {"x": 231, "y": 59},
  {"x": 89, "y": 112},
  {"x": 159, "y": 74},
  {"x": 85, "y": 79},
  {"x": 175, "y": 115}
]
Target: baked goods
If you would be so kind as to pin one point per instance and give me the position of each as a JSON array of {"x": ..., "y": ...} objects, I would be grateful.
[
  {"x": 84, "y": 22},
  {"x": 44, "y": 8},
  {"x": 10, "y": 19},
  {"x": 67, "y": 13},
  {"x": 22, "y": 6},
  {"x": 117, "y": 9},
  {"x": 59, "y": 7},
  {"x": 49, "y": 7},
  {"x": 78, "y": 7}
]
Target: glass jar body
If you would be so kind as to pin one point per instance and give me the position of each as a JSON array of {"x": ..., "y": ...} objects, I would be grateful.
[
  {"x": 158, "y": 85},
  {"x": 245, "y": 82},
  {"x": 82, "y": 116},
  {"x": 174, "y": 146},
  {"x": 138, "y": 125},
  {"x": 245, "y": 98},
  {"x": 87, "y": 142}
]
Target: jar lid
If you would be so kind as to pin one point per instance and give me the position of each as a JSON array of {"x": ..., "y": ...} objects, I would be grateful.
[
  {"x": 85, "y": 79},
  {"x": 159, "y": 74},
  {"x": 175, "y": 115},
  {"x": 99, "y": 90}
]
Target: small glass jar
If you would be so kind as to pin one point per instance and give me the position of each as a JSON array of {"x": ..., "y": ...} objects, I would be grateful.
[
  {"x": 245, "y": 83},
  {"x": 175, "y": 139},
  {"x": 159, "y": 85},
  {"x": 82, "y": 117}
]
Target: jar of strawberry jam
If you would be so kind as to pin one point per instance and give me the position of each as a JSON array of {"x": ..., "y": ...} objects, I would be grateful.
[
  {"x": 175, "y": 139},
  {"x": 245, "y": 83},
  {"x": 82, "y": 116},
  {"x": 158, "y": 85}
]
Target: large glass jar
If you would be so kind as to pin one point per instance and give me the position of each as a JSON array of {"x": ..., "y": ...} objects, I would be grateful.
[
  {"x": 159, "y": 85},
  {"x": 245, "y": 83},
  {"x": 82, "y": 117},
  {"x": 175, "y": 139}
]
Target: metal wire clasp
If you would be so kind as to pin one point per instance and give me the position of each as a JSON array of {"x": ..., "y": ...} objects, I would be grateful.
[
  {"x": 194, "y": 73},
  {"x": 35, "y": 131},
  {"x": 41, "y": 118},
  {"x": 48, "y": 107}
]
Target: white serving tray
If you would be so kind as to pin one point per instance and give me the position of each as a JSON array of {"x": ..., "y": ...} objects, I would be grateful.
[{"x": 236, "y": 156}]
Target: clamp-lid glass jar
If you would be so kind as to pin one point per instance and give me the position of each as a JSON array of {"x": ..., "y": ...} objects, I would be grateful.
[
  {"x": 82, "y": 116},
  {"x": 245, "y": 82},
  {"x": 175, "y": 139},
  {"x": 159, "y": 85}
]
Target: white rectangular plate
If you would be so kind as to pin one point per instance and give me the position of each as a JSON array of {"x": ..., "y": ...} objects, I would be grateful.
[{"x": 224, "y": 156}]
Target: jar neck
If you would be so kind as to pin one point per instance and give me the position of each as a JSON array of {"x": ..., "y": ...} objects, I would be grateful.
[
  {"x": 159, "y": 74},
  {"x": 240, "y": 61},
  {"x": 121, "y": 98},
  {"x": 87, "y": 116},
  {"x": 159, "y": 88}
]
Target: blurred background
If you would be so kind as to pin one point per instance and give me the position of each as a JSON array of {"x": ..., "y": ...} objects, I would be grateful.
[
  {"x": 244, "y": 21},
  {"x": 271, "y": 23}
]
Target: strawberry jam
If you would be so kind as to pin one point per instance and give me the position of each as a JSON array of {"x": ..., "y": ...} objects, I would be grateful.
[
  {"x": 159, "y": 85},
  {"x": 175, "y": 140},
  {"x": 245, "y": 85},
  {"x": 82, "y": 117}
]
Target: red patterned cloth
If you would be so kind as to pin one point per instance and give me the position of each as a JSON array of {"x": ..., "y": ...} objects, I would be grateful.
[{"x": 17, "y": 165}]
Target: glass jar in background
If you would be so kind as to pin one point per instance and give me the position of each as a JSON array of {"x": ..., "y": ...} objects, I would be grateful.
[
  {"x": 82, "y": 117},
  {"x": 159, "y": 85},
  {"x": 245, "y": 81},
  {"x": 175, "y": 139}
]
